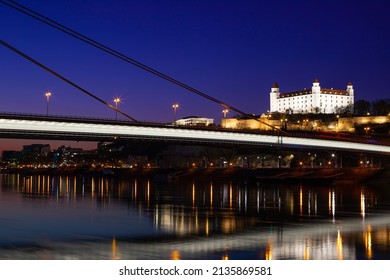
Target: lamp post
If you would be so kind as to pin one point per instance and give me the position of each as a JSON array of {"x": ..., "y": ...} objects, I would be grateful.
[
  {"x": 225, "y": 112},
  {"x": 223, "y": 121},
  {"x": 116, "y": 101},
  {"x": 334, "y": 160},
  {"x": 367, "y": 130},
  {"x": 48, "y": 95},
  {"x": 175, "y": 106}
]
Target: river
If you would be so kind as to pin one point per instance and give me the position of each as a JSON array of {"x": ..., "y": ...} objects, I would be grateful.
[{"x": 76, "y": 217}]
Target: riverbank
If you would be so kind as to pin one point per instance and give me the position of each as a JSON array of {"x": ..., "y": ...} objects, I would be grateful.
[
  {"x": 318, "y": 175},
  {"x": 338, "y": 175}
]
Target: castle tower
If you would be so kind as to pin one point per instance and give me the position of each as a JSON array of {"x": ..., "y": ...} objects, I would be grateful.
[
  {"x": 351, "y": 99},
  {"x": 274, "y": 95},
  {"x": 350, "y": 90},
  {"x": 316, "y": 101},
  {"x": 316, "y": 89}
]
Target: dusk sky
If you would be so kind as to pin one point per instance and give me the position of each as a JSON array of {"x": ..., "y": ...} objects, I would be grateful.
[{"x": 231, "y": 50}]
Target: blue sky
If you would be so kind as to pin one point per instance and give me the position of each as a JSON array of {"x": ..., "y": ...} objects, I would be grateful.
[{"x": 231, "y": 50}]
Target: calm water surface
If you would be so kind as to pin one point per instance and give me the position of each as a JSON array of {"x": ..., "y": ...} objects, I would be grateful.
[{"x": 73, "y": 217}]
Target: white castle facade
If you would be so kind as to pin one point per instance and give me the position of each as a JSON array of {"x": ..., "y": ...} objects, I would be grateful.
[{"x": 314, "y": 100}]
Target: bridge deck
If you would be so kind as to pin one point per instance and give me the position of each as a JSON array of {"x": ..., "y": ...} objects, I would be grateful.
[{"x": 77, "y": 128}]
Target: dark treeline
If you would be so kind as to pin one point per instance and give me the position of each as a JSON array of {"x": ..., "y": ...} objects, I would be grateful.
[{"x": 380, "y": 107}]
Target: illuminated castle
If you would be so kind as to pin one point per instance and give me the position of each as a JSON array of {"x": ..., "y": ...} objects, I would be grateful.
[{"x": 314, "y": 100}]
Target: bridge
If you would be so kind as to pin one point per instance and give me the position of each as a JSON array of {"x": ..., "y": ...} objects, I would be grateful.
[
  {"x": 88, "y": 129},
  {"x": 26, "y": 126}
]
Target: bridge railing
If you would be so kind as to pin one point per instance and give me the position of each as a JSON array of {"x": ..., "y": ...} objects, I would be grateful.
[{"x": 73, "y": 118}]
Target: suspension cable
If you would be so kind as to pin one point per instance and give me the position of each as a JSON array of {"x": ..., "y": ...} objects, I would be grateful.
[
  {"x": 85, "y": 39},
  {"x": 63, "y": 78}
]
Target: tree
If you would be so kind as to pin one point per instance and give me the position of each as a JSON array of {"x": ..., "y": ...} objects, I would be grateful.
[
  {"x": 362, "y": 107},
  {"x": 344, "y": 110},
  {"x": 349, "y": 109},
  {"x": 381, "y": 107}
]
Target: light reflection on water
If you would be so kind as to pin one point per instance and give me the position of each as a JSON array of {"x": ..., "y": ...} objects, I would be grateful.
[{"x": 61, "y": 217}]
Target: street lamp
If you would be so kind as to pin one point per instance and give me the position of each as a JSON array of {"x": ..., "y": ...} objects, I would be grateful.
[
  {"x": 367, "y": 130},
  {"x": 175, "y": 106},
  {"x": 48, "y": 95},
  {"x": 116, "y": 101},
  {"x": 225, "y": 112},
  {"x": 334, "y": 159}
]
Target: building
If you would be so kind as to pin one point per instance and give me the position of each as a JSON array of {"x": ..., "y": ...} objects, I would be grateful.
[
  {"x": 74, "y": 156},
  {"x": 314, "y": 100},
  {"x": 195, "y": 121},
  {"x": 37, "y": 149},
  {"x": 368, "y": 125},
  {"x": 11, "y": 157},
  {"x": 263, "y": 122}
]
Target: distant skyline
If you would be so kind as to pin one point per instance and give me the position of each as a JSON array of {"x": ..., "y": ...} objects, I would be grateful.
[
  {"x": 17, "y": 144},
  {"x": 231, "y": 50}
]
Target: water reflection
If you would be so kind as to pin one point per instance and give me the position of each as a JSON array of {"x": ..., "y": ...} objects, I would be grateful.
[
  {"x": 175, "y": 255},
  {"x": 223, "y": 220},
  {"x": 362, "y": 203},
  {"x": 368, "y": 242}
]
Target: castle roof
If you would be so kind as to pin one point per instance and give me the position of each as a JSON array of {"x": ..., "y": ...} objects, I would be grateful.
[
  {"x": 275, "y": 85},
  {"x": 334, "y": 91},
  {"x": 295, "y": 93},
  {"x": 308, "y": 91}
]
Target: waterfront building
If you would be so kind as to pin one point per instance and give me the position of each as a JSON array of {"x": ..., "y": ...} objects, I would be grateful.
[
  {"x": 195, "y": 121},
  {"x": 75, "y": 156},
  {"x": 11, "y": 158},
  {"x": 312, "y": 100},
  {"x": 36, "y": 149}
]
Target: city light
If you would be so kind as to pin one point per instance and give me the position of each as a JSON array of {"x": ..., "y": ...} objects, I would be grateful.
[
  {"x": 117, "y": 100},
  {"x": 47, "y": 95},
  {"x": 367, "y": 130},
  {"x": 225, "y": 112},
  {"x": 175, "y": 107}
]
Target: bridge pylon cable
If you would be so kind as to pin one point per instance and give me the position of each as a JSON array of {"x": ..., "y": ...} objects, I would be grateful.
[
  {"x": 64, "y": 79},
  {"x": 85, "y": 39}
]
